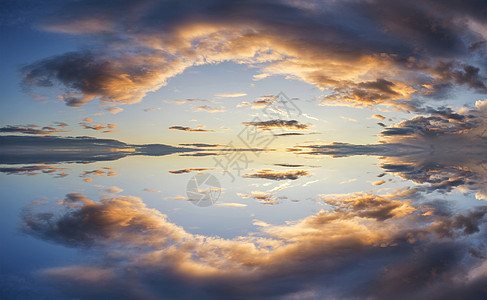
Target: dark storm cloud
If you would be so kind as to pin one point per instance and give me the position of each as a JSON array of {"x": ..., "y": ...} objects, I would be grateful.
[
  {"x": 272, "y": 124},
  {"x": 383, "y": 240},
  {"x": 366, "y": 52}
]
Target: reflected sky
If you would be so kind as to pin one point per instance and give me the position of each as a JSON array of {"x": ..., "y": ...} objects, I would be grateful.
[{"x": 243, "y": 150}]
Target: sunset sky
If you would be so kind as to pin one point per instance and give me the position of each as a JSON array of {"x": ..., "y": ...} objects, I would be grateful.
[{"x": 371, "y": 126}]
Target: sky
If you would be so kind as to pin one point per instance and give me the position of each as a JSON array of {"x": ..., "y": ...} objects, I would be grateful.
[{"x": 338, "y": 140}]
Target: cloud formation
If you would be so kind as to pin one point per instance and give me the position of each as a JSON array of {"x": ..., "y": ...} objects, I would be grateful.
[
  {"x": 384, "y": 240},
  {"x": 209, "y": 109},
  {"x": 32, "y": 129},
  {"x": 88, "y": 124},
  {"x": 386, "y": 52},
  {"x": 114, "y": 110},
  {"x": 442, "y": 150},
  {"x": 262, "y": 102},
  {"x": 35, "y": 170}
]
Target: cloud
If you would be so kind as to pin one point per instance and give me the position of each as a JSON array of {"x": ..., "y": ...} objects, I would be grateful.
[
  {"x": 55, "y": 149},
  {"x": 87, "y": 123},
  {"x": 188, "y": 170},
  {"x": 34, "y": 170},
  {"x": 290, "y": 165},
  {"x": 263, "y": 197},
  {"x": 260, "y": 103},
  {"x": 379, "y": 117},
  {"x": 368, "y": 205},
  {"x": 348, "y": 119},
  {"x": 231, "y": 95},
  {"x": 60, "y": 124},
  {"x": 277, "y": 175},
  {"x": 338, "y": 149},
  {"x": 382, "y": 239},
  {"x": 30, "y": 129},
  {"x": 152, "y": 109},
  {"x": 209, "y": 109},
  {"x": 201, "y": 145},
  {"x": 294, "y": 133},
  {"x": 441, "y": 150},
  {"x": 272, "y": 124},
  {"x": 106, "y": 171},
  {"x": 114, "y": 110},
  {"x": 114, "y": 189},
  {"x": 182, "y": 128},
  {"x": 387, "y": 53}
]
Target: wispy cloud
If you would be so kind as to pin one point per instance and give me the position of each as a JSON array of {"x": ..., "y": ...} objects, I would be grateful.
[
  {"x": 189, "y": 129},
  {"x": 273, "y": 124},
  {"x": 209, "y": 109},
  {"x": 114, "y": 110},
  {"x": 31, "y": 129},
  {"x": 114, "y": 189},
  {"x": 35, "y": 170},
  {"x": 277, "y": 175},
  {"x": 230, "y": 204},
  {"x": 262, "y": 102},
  {"x": 187, "y": 101},
  {"x": 231, "y": 95},
  {"x": 188, "y": 170}
]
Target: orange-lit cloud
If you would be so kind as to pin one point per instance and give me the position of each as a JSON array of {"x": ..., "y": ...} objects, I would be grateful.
[
  {"x": 358, "y": 228},
  {"x": 385, "y": 53}
]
